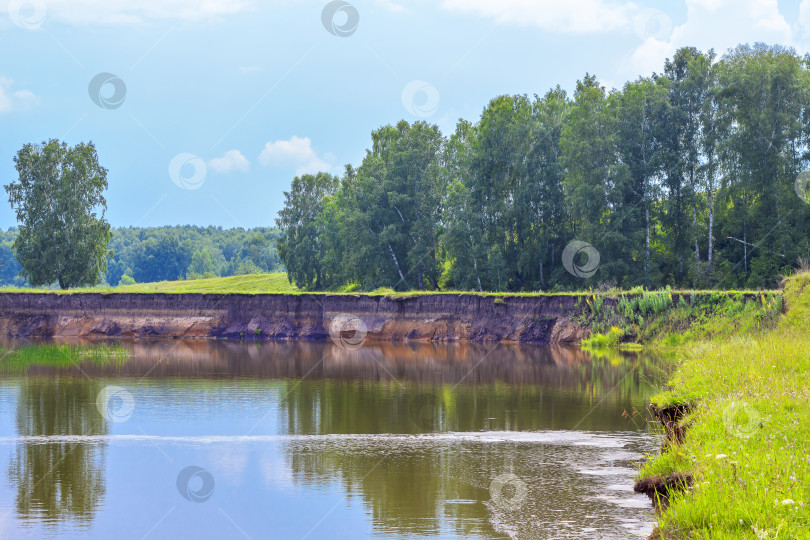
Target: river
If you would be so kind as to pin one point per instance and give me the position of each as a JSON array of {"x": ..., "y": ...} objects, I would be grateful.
[{"x": 223, "y": 439}]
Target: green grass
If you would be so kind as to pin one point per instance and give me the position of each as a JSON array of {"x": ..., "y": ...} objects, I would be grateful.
[
  {"x": 18, "y": 360},
  {"x": 672, "y": 318},
  {"x": 748, "y": 435},
  {"x": 278, "y": 283},
  {"x": 249, "y": 283},
  {"x": 245, "y": 284},
  {"x": 610, "y": 339}
]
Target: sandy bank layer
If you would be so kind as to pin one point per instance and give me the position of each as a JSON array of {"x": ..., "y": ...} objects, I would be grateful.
[{"x": 441, "y": 317}]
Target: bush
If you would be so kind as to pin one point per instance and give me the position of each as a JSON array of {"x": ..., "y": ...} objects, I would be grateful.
[
  {"x": 610, "y": 339},
  {"x": 126, "y": 280}
]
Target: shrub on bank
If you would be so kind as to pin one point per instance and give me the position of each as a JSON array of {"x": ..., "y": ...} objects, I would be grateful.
[{"x": 670, "y": 319}]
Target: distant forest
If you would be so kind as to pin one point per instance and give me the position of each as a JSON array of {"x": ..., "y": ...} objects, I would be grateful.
[
  {"x": 142, "y": 255},
  {"x": 687, "y": 178}
]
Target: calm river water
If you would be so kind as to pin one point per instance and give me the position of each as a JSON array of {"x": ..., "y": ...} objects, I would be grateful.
[{"x": 201, "y": 439}]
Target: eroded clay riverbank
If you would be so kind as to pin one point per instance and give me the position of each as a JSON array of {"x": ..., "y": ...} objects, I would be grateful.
[{"x": 438, "y": 317}]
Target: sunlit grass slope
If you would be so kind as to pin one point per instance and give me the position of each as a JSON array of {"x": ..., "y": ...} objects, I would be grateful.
[
  {"x": 250, "y": 283},
  {"x": 748, "y": 436},
  {"x": 245, "y": 284}
]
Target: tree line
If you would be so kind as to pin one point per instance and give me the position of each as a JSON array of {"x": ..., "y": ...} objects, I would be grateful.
[
  {"x": 64, "y": 239},
  {"x": 190, "y": 252},
  {"x": 148, "y": 254},
  {"x": 690, "y": 177}
]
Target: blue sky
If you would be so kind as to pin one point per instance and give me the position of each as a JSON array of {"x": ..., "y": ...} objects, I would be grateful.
[{"x": 211, "y": 107}]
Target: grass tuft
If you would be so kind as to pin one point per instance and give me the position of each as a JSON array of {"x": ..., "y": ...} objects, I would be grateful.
[{"x": 18, "y": 360}]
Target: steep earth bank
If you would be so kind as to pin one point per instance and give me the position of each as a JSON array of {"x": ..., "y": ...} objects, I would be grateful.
[{"x": 439, "y": 317}]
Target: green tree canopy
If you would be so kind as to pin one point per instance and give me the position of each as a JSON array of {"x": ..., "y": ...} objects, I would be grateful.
[
  {"x": 300, "y": 246},
  {"x": 685, "y": 178},
  {"x": 60, "y": 207}
]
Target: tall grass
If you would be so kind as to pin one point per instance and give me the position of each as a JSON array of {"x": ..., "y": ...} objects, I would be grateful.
[{"x": 670, "y": 318}]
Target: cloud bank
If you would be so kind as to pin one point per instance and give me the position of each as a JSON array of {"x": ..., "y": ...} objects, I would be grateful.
[
  {"x": 233, "y": 160},
  {"x": 15, "y": 100},
  {"x": 296, "y": 153}
]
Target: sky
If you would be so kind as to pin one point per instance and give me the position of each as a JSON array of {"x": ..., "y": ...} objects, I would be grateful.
[{"x": 203, "y": 111}]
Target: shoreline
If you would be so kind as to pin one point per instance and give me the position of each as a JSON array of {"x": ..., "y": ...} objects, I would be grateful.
[{"x": 734, "y": 463}]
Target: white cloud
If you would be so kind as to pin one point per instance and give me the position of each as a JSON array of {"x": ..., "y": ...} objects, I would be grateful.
[
  {"x": 392, "y": 6},
  {"x": 709, "y": 24},
  {"x": 14, "y": 100},
  {"x": 233, "y": 160},
  {"x": 297, "y": 153},
  {"x": 82, "y": 12},
  {"x": 718, "y": 25},
  {"x": 804, "y": 17},
  {"x": 569, "y": 16}
]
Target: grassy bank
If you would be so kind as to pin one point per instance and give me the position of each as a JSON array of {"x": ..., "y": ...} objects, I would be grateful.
[
  {"x": 277, "y": 283},
  {"x": 672, "y": 318},
  {"x": 748, "y": 429}
]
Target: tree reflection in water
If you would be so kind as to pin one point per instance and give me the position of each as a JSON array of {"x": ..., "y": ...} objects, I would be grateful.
[
  {"x": 427, "y": 486},
  {"x": 58, "y": 481}
]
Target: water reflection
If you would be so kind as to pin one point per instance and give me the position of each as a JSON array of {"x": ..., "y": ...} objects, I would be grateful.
[
  {"x": 424, "y": 362},
  {"x": 62, "y": 480},
  {"x": 575, "y": 482},
  {"x": 414, "y": 434}
]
